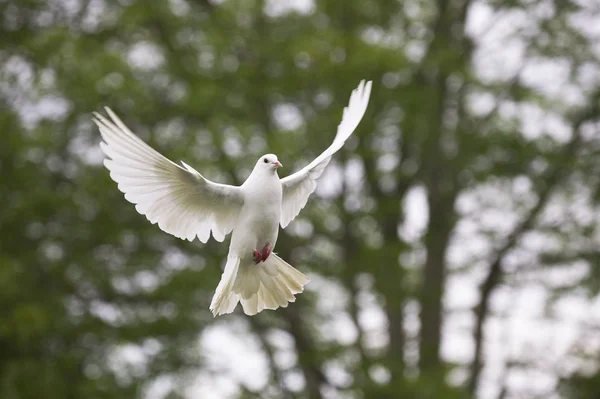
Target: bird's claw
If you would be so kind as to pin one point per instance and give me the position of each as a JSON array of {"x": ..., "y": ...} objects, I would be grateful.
[
  {"x": 261, "y": 256},
  {"x": 257, "y": 257},
  {"x": 266, "y": 253}
]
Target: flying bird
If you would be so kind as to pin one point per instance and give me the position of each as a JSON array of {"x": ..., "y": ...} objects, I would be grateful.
[{"x": 187, "y": 205}]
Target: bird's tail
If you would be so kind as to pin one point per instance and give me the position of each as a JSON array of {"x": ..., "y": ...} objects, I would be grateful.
[
  {"x": 225, "y": 300},
  {"x": 267, "y": 285}
]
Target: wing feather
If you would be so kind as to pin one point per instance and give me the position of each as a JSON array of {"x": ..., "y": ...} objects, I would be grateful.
[
  {"x": 179, "y": 199},
  {"x": 300, "y": 185}
]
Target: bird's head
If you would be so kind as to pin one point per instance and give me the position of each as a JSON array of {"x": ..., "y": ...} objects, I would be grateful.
[{"x": 267, "y": 163}]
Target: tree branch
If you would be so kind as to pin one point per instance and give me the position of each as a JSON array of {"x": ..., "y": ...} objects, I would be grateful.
[
  {"x": 552, "y": 179},
  {"x": 277, "y": 378},
  {"x": 307, "y": 352}
]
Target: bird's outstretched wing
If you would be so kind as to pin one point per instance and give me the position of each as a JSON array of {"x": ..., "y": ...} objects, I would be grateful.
[
  {"x": 182, "y": 201},
  {"x": 300, "y": 185}
]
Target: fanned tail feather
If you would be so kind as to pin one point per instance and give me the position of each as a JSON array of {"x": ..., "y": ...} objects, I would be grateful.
[
  {"x": 225, "y": 300},
  {"x": 268, "y": 285}
]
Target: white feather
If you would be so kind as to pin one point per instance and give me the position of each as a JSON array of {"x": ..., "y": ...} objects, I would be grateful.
[
  {"x": 180, "y": 200},
  {"x": 225, "y": 300},
  {"x": 184, "y": 203},
  {"x": 300, "y": 185}
]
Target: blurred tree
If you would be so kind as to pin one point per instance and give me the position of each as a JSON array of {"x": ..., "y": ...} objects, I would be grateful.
[{"x": 473, "y": 176}]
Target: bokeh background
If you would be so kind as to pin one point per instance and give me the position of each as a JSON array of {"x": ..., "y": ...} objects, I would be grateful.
[{"x": 453, "y": 244}]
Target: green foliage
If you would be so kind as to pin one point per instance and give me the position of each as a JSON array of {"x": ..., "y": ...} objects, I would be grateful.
[{"x": 84, "y": 279}]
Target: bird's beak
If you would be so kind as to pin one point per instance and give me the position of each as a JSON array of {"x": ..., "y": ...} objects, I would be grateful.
[{"x": 277, "y": 164}]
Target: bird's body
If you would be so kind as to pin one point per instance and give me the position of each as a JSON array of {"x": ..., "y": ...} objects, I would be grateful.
[
  {"x": 258, "y": 223},
  {"x": 186, "y": 204},
  {"x": 254, "y": 275}
]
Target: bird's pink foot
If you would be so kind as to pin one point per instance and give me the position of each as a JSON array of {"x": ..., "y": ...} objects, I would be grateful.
[
  {"x": 258, "y": 256},
  {"x": 261, "y": 256},
  {"x": 266, "y": 252}
]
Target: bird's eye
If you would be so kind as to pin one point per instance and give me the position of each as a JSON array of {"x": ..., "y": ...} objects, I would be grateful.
[{"x": 265, "y": 160}]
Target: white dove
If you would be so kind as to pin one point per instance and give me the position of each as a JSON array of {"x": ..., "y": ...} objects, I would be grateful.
[{"x": 187, "y": 205}]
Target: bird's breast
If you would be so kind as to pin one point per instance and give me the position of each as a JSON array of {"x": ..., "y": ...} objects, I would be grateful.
[
  {"x": 264, "y": 216},
  {"x": 258, "y": 224}
]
